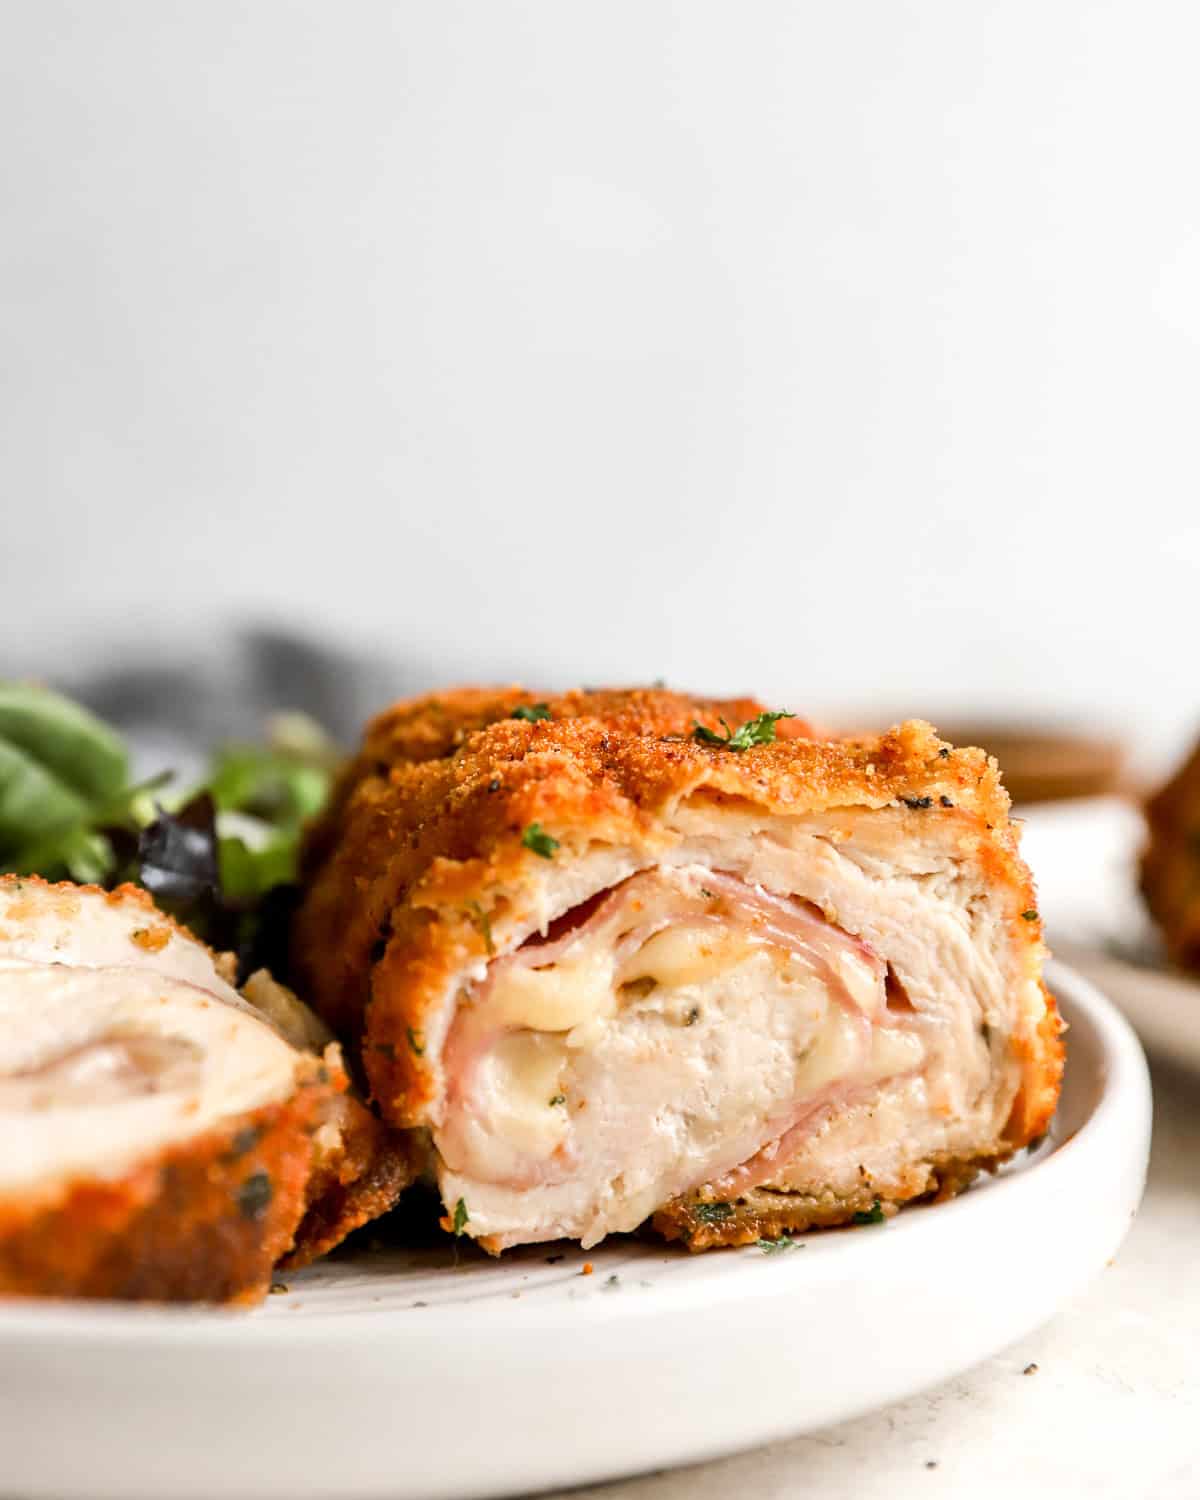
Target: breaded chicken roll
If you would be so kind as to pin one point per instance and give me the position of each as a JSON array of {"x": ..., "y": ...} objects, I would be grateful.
[
  {"x": 162, "y": 1136},
  {"x": 1171, "y": 862},
  {"x": 624, "y": 956}
]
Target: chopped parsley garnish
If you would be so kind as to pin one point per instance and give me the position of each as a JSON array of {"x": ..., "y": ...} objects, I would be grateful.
[
  {"x": 254, "y": 1196},
  {"x": 415, "y": 1043},
  {"x": 760, "y": 731},
  {"x": 873, "y": 1215},
  {"x": 776, "y": 1247},
  {"x": 558, "y": 1099},
  {"x": 713, "y": 1213},
  {"x": 461, "y": 1218},
  {"x": 245, "y": 1141},
  {"x": 536, "y": 838},
  {"x": 1030, "y": 915},
  {"x": 484, "y": 923},
  {"x": 532, "y": 712}
]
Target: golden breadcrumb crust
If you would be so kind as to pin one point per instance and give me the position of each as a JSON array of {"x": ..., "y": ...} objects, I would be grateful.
[
  {"x": 360, "y": 1180},
  {"x": 421, "y": 855},
  {"x": 363, "y": 1181},
  {"x": 703, "y": 1222},
  {"x": 432, "y": 727},
  {"x": 200, "y": 1221},
  {"x": 1171, "y": 863},
  {"x": 67, "y": 897}
]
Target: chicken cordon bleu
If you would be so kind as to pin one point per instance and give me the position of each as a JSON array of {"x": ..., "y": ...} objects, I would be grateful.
[
  {"x": 1171, "y": 862},
  {"x": 161, "y": 1135},
  {"x": 630, "y": 956}
]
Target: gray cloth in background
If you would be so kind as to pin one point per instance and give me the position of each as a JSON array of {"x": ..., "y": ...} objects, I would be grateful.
[{"x": 173, "y": 713}]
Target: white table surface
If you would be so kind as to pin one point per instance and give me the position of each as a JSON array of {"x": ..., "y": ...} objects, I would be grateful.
[{"x": 1112, "y": 1409}]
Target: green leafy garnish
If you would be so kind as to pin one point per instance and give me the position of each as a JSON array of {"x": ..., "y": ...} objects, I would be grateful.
[
  {"x": 713, "y": 1213},
  {"x": 221, "y": 857},
  {"x": 1030, "y": 915},
  {"x": 537, "y": 839},
  {"x": 461, "y": 1218},
  {"x": 776, "y": 1247},
  {"x": 283, "y": 782},
  {"x": 532, "y": 712},
  {"x": 66, "y": 805},
  {"x": 415, "y": 1043},
  {"x": 263, "y": 795},
  {"x": 872, "y": 1215},
  {"x": 558, "y": 1099},
  {"x": 760, "y": 731},
  {"x": 78, "y": 749}
]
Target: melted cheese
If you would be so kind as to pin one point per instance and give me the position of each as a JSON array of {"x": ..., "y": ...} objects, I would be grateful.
[
  {"x": 688, "y": 955},
  {"x": 557, "y": 998},
  {"x": 524, "y": 1080}
]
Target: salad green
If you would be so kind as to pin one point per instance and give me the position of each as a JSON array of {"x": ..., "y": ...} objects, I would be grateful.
[{"x": 221, "y": 856}]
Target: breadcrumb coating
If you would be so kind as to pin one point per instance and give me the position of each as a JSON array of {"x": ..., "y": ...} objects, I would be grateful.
[
  {"x": 201, "y": 1221},
  {"x": 176, "y": 1226},
  {"x": 424, "y": 856}
]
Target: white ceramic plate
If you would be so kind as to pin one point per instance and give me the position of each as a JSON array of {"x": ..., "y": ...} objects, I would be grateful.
[{"x": 406, "y": 1375}]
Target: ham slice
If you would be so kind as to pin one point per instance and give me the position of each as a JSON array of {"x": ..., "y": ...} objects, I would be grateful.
[{"x": 612, "y": 971}]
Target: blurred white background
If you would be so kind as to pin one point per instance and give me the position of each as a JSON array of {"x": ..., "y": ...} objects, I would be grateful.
[{"x": 848, "y": 353}]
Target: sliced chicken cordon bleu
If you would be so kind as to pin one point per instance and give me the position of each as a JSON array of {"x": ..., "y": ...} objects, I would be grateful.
[
  {"x": 161, "y": 1135},
  {"x": 634, "y": 956}
]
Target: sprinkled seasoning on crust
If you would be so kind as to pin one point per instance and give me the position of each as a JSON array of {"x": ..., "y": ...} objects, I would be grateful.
[
  {"x": 425, "y": 835},
  {"x": 176, "y": 1227},
  {"x": 203, "y": 1217}
]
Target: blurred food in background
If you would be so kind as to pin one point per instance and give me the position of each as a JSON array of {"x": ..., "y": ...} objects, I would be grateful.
[
  {"x": 1047, "y": 764},
  {"x": 1170, "y": 872},
  {"x": 1075, "y": 792}
]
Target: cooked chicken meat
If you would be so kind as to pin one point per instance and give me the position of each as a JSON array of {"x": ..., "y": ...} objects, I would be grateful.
[
  {"x": 159, "y": 1136},
  {"x": 613, "y": 973}
]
